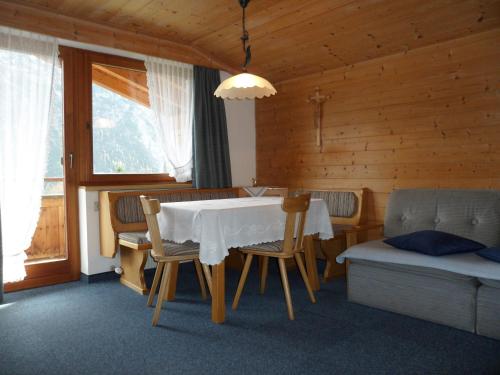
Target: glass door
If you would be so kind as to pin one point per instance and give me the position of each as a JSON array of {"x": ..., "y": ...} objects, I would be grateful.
[
  {"x": 49, "y": 240},
  {"x": 48, "y": 259}
]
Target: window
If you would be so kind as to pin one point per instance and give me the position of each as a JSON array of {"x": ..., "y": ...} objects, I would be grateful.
[
  {"x": 123, "y": 137},
  {"x": 118, "y": 144}
]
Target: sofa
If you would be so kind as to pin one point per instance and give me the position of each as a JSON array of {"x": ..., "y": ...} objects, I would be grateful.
[{"x": 460, "y": 290}]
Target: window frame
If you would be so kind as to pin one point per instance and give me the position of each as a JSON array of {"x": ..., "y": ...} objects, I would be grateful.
[{"x": 87, "y": 175}]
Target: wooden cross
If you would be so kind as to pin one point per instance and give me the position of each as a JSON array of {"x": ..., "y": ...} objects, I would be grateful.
[{"x": 317, "y": 99}]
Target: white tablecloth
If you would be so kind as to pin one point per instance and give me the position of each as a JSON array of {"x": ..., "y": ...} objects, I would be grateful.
[{"x": 220, "y": 224}]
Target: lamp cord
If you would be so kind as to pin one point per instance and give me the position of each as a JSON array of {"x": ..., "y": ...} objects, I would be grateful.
[{"x": 245, "y": 37}]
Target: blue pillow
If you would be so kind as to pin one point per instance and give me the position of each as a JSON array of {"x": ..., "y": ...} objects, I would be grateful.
[
  {"x": 491, "y": 253},
  {"x": 433, "y": 242}
]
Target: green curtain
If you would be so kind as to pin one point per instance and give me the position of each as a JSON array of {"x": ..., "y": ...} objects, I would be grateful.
[{"x": 211, "y": 163}]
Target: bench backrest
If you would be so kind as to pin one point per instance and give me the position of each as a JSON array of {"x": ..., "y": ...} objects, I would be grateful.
[
  {"x": 474, "y": 214},
  {"x": 121, "y": 211},
  {"x": 344, "y": 206}
]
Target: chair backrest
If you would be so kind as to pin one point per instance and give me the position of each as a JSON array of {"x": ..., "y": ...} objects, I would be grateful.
[
  {"x": 295, "y": 207},
  {"x": 151, "y": 207}
]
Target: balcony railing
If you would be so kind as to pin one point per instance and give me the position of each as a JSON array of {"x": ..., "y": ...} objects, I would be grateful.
[{"x": 49, "y": 242}]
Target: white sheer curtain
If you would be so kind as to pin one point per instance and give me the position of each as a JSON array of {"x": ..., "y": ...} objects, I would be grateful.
[
  {"x": 27, "y": 66},
  {"x": 171, "y": 95}
]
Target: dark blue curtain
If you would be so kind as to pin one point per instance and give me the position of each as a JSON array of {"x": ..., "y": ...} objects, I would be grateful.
[
  {"x": 1, "y": 262},
  {"x": 211, "y": 163}
]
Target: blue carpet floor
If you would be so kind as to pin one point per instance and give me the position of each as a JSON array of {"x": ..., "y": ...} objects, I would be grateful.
[{"x": 105, "y": 328}]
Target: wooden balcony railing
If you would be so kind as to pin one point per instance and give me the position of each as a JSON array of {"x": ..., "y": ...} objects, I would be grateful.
[{"x": 49, "y": 241}]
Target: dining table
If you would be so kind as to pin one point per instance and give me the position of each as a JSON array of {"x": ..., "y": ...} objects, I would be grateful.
[{"x": 218, "y": 225}]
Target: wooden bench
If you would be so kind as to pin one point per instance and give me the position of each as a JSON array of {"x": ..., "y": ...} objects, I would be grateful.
[
  {"x": 346, "y": 212},
  {"x": 123, "y": 226}
]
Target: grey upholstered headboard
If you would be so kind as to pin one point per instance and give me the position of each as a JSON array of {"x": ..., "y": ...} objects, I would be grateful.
[{"x": 474, "y": 214}]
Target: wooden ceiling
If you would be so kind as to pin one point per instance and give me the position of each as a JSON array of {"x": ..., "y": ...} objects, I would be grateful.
[{"x": 290, "y": 38}]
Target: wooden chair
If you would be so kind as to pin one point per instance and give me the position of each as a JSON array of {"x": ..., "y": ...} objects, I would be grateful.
[
  {"x": 290, "y": 247},
  {"x": 165, "y": 253}
]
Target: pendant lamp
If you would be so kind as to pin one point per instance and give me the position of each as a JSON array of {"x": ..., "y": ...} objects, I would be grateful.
[{"x": 245, "y": 85}]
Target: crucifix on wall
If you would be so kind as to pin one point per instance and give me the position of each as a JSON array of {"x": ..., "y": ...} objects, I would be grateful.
[{"x": 317, "y": 99}]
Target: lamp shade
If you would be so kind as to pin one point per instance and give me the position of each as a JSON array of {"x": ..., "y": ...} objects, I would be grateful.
[{"x": 244, "y": 86}]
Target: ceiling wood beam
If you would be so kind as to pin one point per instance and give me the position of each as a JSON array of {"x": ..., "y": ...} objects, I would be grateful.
[{"x": 38, "y": 20}]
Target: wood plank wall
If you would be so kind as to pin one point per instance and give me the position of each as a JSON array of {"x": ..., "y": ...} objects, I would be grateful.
[{"x": 426, "y": 118}]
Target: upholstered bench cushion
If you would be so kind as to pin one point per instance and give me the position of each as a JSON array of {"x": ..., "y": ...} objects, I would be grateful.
[
  {"x": 340, "y": 203},
  {"x": 129, "y": 208},
  {"x": 275, "y": 246},
  {"x": 171, "y": 248},
  {"x": 138, "y": 238}
]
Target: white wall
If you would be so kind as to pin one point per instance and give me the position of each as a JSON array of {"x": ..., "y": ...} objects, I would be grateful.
[
  {"x": 240, "y": 115},
  {"x": 241, "y": 132}
]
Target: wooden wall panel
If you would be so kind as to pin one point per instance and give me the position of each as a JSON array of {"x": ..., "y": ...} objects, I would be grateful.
[{"x": 426, "y": 118}]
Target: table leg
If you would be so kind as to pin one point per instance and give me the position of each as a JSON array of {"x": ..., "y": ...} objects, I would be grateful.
[
  {"x": 218, "y": 293},
  {"x": 132, "y": 264},
  {"x": 172, "y": 282},
  {"x": 311, "y": 263}
]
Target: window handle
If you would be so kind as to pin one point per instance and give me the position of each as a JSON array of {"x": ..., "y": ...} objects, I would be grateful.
[{"x": 71, "y": 160}]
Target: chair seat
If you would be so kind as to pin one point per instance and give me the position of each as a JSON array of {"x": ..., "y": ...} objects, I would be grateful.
[
  {"x": 185, "y": 249},
  {"x": 138, "y": 238},
  {"x": 275, "y": 247}
]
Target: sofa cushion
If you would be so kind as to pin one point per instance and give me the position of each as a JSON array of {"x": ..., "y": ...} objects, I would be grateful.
[
  {"x": 466, "y": 263},
  {"x": 473, "y": 214},
  {"x": 432, "y": 242},
  {"x": 491, "y": 253}
]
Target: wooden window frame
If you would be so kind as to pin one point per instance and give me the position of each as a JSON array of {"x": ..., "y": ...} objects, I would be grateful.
[{"x": 86, "y": 159}]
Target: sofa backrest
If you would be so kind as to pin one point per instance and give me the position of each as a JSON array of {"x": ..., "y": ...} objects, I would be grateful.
[{"x": 473, "y": 214}]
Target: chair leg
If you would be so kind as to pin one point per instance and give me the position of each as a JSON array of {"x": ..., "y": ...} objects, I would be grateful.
[
  {"x": 243, "y": 279},
  {"x": 208, "y": 276},
  {"x": 156, "y": 280},
  {"x": 327, "y": 274},
  {"x": 263, "y": 273},
  {"x": 163, "y": 287},
  {"x": 286, "y": 288},
  {"x": 303, "y": 272},
  {"x": 201, "y": 280}
]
